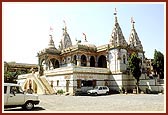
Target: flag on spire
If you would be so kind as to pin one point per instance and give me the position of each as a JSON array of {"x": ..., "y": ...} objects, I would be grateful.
[
  {"x": 64, "y": 22},
  {"x": 51, "y": 29},
  {"x": 84, "y": 35}
]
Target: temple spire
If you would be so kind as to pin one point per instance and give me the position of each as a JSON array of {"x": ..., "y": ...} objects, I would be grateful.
[
  {"x": 65, "y": 40},
  {"x": 134, "y": 40},
  {"x": 117, "y": 37}
]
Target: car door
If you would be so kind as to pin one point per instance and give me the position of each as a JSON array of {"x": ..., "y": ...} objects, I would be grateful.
[
  {"x": 104, "y": 90},
  {"x": 15, "y": 97},
  {"x": 5, "y": 95},
  {"x": 100, "y": 90}
]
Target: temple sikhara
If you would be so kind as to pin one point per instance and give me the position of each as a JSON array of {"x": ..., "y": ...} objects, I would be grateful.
[{"x": 82, "y": 66}]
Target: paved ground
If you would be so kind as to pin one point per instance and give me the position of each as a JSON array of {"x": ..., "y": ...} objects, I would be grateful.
[{"x": 108, "y": 103}]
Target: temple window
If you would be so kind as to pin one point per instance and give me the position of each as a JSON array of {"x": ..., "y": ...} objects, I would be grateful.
[
  {"x": 75, "y": 60},
  {"x": 124, "y": 59},
  {"x": 57, "y": 82},
  {"x": 102, "y": 62},
  {"x": 52, "y": 83},
  {"x": 92, "y": 61}
]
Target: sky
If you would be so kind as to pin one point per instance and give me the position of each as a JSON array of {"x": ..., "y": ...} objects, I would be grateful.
[{"x": 26, "y": 26}]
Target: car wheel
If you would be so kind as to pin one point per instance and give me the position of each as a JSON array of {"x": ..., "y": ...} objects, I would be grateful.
[
  {"x": 107, "y": 93},
  {"x": 28, "y": 106},
  {"x": 95, "y": 93}
]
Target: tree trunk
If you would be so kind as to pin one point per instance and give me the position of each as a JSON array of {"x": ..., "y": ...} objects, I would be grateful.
[{"x": 137, "y": 85}]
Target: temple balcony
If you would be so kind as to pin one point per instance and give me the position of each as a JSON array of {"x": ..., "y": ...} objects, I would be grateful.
[{"x": 77, "y": 69}]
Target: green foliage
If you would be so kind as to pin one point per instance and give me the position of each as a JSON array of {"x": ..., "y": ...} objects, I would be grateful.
[
  {"x": 10, "y": 77},
  {"x": 134, "y": 65},
  {"x": 158, "y": 64},
  {"x": 135, "y": 68},
  {"x": 60, "y": 91}
]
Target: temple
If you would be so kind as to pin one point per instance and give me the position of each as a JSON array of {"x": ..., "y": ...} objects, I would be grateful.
[{"x": 82, "y": 66}]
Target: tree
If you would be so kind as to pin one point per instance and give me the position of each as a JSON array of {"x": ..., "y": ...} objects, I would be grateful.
[
  {"x": 135, "y": 68},
  {"x": 11, "y": 76},
  {"x": 158, "y": 64}
]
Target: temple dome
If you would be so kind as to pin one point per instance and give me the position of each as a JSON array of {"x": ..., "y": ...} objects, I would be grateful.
[
  {"x": 86, "y": 43},
  {"x": 51, "y": 48}
]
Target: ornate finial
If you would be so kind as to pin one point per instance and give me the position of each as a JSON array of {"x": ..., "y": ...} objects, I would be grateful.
[
  {"x": 132, "y": 21},
  {"x": 51, "y": 42},
  {"x": 51, "y": 31},
  {"x": 85, "y": 37},
  {"x": 77, "y": 41},
  {"x": 65, "y": 28},
  {"x": 115, "y": 11},
  {"x": 50, "y": 36}
]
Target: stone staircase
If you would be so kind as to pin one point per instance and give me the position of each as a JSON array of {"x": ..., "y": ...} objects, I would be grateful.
[{"x": 48, "y": 88}]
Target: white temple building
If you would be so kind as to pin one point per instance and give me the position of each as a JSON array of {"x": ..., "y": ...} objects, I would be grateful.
[{"x": 82, "y": 66}]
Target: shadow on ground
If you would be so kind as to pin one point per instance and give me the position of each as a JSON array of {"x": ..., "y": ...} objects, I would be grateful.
[{"x": 20, "y": 109}]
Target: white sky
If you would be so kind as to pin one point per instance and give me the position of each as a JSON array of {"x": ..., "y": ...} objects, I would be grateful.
[{"x": 25, "y": 26}]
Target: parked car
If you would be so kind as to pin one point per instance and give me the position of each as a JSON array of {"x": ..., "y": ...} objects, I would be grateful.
[
  {"x": 14, "y": 96},
  {"x": 99, "y": 90}
]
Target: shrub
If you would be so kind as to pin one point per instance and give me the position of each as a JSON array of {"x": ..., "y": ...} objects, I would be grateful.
[{"x": 60, "y": 91}]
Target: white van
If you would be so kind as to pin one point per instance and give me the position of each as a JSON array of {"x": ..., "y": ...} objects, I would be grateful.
[{"x": 14, "y": 96}]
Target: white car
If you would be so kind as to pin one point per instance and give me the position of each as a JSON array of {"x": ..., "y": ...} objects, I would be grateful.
[
  {"x": 14, "y": 96},
  {"x": 99, "y": 90}
]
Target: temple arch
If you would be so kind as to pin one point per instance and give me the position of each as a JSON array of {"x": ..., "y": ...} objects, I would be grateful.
[
  {"x": 102, "y": 62},
  {"x": 83, "y": 60},
  {"x": 55, "y": 63}
]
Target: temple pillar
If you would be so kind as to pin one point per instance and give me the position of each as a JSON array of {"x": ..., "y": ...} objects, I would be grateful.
[
  {"x": 108, "y": 64},
  {"x": 78, "y": 60},
  {"x": 88, "y": 61},
  {"x": 107, "y": 61},
  {"x": 96, "y": 62}
]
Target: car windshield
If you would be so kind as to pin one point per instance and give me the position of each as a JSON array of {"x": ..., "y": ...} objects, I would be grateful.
[
  {"x": 16, "y": 89},
  {"x": 96, "y": 87}
]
